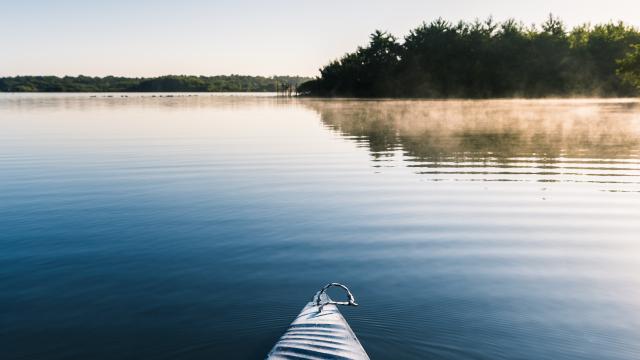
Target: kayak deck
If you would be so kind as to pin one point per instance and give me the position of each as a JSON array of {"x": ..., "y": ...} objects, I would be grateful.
[{"x": 319, "y": 332}]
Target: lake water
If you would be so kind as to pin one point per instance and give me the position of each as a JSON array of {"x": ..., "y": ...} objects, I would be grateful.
[{"x": 196, "y": 227}]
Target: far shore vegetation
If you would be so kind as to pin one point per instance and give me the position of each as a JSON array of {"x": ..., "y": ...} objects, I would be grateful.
[
  {"x": 169, "y": 83},
  {"x": 440, "y": 59},
  {"x": 485, "y": 59}
]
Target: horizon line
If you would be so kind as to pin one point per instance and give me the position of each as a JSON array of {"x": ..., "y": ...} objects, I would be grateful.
[{"x": 156, "y": 76}]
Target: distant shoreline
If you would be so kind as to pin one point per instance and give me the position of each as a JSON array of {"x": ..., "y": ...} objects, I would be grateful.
[
  {"x": 168, "y": 83},
  {"x": 139, "y": 92},
  {"x": 125, "y": 94}
]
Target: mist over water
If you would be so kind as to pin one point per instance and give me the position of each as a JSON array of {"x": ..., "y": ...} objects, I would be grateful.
[
  {"x": 197, "y": 227},
  {"x": 549, "y": 140}
]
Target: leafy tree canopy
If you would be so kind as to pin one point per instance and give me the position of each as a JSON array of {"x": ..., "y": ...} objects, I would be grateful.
[{"x": 483, "y": 59}]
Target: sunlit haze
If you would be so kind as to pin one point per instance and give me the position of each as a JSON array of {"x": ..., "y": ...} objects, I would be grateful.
[{"x": 149, "y": 38}]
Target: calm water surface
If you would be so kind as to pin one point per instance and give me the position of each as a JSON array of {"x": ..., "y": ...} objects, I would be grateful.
[{"x": 197, "y": 227}]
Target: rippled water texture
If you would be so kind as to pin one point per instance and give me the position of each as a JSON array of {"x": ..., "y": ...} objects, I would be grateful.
[{"x": 196, "y": 227}]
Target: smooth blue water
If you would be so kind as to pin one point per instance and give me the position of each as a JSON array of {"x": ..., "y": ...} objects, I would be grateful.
[{"x": 197, "y": 227}]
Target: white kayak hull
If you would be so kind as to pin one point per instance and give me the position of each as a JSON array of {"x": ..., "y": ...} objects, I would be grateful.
[{"x": 319, "y": 332}]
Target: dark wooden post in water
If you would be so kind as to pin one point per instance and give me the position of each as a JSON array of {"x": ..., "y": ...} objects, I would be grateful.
[{"x": 284, "y": 89}]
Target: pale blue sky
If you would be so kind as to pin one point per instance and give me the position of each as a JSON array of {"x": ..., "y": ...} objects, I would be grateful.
[{"x": 146, "y": 38}]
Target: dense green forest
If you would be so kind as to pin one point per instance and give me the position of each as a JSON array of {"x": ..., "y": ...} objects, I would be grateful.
[
  {"x": 489, "y": 59},
  {"x": 227, "y": 83}
]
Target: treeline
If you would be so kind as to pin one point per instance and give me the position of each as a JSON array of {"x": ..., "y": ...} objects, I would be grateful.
[
  {"x": 170, "y": 83},
  {"x": 488, "y": 59}
]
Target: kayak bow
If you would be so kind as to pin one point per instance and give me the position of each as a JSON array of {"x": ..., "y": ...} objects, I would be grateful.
[{"x": 320, "y": 332}]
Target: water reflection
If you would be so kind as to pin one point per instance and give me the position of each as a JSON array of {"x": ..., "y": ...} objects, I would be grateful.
[
  {"x": 196, "y": 227},
  {"x": 557, "y": 140}
]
